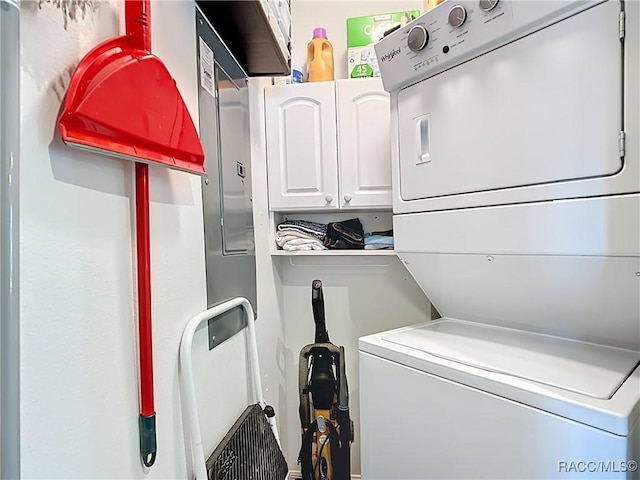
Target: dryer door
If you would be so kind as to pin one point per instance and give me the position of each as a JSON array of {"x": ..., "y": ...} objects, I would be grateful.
[{"x": 543, "y": 109}]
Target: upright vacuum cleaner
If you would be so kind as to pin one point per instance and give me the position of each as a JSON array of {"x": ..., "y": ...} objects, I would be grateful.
[{"x": 327, "y": 429}]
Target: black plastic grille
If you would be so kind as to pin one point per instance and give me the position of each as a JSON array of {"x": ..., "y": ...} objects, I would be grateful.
[{"x": 249, "y": 451}]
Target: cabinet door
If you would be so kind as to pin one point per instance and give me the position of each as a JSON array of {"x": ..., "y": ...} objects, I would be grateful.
[
  {"x": 364, "y": 143},
  {"x": 302, "y": 146}
]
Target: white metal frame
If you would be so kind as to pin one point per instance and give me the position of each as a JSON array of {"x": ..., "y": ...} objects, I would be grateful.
[
  {"x": 10, "y": 239},
  {"x": 189, "y": 405}
]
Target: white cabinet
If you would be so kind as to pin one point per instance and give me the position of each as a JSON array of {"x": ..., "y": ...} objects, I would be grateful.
[
  {"x": 328, "y": 145},
  {"x": 301, "y": 146},
  {"x": 364, "y": 143}
]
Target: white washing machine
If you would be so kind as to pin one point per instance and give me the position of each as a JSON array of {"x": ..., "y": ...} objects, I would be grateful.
[{"x": 516, "y": 177}]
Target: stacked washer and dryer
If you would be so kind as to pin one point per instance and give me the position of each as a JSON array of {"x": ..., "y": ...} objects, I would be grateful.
[{"x": 516, "y": 176}]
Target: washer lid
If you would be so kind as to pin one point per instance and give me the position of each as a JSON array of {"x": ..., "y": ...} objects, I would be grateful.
[{"x": 588, "y": 369}]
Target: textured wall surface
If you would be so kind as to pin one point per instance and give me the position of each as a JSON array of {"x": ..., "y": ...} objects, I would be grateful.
[{"x": 79, "y": 358}]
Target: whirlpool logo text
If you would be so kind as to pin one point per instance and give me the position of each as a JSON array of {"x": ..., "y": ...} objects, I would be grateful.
[{"x": 387, "y": 57}]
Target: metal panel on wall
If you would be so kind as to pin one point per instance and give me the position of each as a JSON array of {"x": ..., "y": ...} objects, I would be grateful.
[{"x": 226, "y": 192}]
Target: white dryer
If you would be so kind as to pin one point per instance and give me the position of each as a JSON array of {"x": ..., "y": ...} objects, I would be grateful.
[{"x": 516, "y": 176}]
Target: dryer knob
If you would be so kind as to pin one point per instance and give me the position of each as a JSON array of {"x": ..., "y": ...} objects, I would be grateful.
[
  {"x": 488, "y": 5},
  {"x": 457, "y": 16},
  {"x": 418, "y": 38}
]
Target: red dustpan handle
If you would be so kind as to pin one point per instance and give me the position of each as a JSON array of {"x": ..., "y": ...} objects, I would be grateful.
[
  {"x": 147, "y": 419},
  {"x": 138, "y": 23},
  {"x": 137, "y": 13}
]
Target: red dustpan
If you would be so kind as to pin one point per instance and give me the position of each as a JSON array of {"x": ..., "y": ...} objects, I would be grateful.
[{"x": 122, "y": 101}]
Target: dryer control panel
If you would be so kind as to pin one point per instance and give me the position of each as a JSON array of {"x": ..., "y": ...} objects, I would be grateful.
[{"x": 456, "y": 31}]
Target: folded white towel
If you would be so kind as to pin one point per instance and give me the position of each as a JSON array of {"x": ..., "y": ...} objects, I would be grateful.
[
  {"x": 291, "y": 240},
  {"x": 303, "y": 244},
  {"x": 285, "y": 235},
  {"x": 315, "y": 229}
]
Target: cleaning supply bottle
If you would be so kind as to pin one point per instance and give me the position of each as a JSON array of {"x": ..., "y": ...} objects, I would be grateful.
[
  {"x": 319, "y": 57},
  {"x": 298, "y": 69}
]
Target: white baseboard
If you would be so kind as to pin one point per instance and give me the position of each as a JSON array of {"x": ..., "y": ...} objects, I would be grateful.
[{"x": 297, "y": 475}]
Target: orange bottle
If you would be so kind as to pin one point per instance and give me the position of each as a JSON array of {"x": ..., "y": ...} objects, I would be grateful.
[{"x": 319, "y": 57}]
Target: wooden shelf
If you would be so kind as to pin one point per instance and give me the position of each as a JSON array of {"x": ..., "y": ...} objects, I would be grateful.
[{"x": 334, "y": 253}]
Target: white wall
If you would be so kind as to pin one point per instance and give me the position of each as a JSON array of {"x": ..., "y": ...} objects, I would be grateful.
[
  {"x": 78, "y": 350},
  {"x": 332, "y": 15},
  {"x": 270, "y": 324}
]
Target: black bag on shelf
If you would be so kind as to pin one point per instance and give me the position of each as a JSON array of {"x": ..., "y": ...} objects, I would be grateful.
[{"x": 345, "y": 235}]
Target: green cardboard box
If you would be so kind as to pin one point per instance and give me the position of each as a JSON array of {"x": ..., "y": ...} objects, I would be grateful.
[{"x": 363, "y": 33}]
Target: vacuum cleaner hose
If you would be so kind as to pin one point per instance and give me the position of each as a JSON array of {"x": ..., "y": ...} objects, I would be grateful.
[{"x": 317, "y": 304}]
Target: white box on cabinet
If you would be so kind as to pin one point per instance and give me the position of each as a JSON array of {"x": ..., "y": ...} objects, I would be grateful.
[{"x": 328, "y": 145}]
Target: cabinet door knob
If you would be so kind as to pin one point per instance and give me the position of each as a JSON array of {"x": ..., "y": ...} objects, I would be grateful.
[
  {"x": 347, "y": 197},
  {"x": 329, "y": 198}
]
